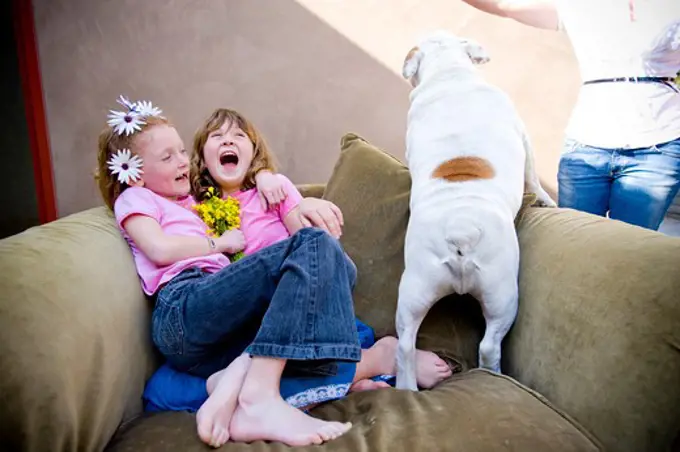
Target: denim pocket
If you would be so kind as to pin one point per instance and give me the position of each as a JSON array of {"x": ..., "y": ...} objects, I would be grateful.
[{"x": 167, "y": 331}]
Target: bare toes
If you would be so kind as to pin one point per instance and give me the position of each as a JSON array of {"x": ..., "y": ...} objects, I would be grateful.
[{"x": 222, "y": 437}]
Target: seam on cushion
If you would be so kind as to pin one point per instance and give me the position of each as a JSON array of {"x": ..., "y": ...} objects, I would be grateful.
[{"x": 589, "y": 435}]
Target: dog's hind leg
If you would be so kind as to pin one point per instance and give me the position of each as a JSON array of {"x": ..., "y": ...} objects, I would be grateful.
[
  {"x": 416, "y": 297},
  {"x": 499, "y": 301},
  {"x": 531, "y": 182}
]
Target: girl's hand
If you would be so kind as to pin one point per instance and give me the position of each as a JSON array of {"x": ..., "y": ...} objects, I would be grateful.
[
  {"x": 231, "y": 242},
  {"x": 269, "y": 188},
  {"x": 322, "y": 214}
]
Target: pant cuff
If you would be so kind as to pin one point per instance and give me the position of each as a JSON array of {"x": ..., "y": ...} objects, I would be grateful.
[{"x": 306, "y": 352}]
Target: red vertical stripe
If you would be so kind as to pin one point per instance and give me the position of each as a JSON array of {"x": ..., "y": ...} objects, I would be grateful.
[{"x": 31, "y": 84}]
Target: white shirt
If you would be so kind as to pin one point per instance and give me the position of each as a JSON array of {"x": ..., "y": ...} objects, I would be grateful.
[{"x": 607, "y": 43}]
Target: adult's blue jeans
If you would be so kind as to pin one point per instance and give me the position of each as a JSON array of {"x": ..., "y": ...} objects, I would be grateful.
[
  {"x": 291, "y": 300},
  {"x": 636, "y": 186}
]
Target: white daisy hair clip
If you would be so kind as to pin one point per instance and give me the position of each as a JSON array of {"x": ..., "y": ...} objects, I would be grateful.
[
  {"x": 132, "y": 119},
  {"x": 127, "y": 166}
]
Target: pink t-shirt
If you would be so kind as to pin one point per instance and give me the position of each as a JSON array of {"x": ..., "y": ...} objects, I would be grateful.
[
  {"x": 263, "y": 228},
  {"x": 175, "y": 218}
]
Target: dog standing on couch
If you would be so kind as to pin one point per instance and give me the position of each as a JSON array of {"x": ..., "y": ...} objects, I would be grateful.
[{"x": 470, "y": 163}]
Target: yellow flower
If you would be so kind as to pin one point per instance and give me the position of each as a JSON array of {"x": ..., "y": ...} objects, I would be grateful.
[{"x": 220, "y": 215}]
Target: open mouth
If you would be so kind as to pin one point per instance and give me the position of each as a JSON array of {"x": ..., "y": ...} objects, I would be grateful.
[
  {"x": 228, "y": 158},
  {"x": 182, "y": 177}
]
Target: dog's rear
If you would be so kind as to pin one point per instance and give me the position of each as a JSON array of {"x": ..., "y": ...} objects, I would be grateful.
[{"x": 467, "y": 156}]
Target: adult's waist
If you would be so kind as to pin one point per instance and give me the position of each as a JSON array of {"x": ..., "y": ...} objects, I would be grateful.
[{"x": 625, "y": 115}]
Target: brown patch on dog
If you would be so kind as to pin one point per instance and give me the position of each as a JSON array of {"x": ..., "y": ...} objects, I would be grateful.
[
  {"x": 462, "y": 169},
  {"x": 410, "y": 54}
]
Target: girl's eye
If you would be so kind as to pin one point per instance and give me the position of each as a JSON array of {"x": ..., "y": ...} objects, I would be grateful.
[
  {"x": 215, "y": 135},
  {"x": 184, "y": 151},
  {"x": 240, "y": 134},
  {"x": 166, "y": 158}
]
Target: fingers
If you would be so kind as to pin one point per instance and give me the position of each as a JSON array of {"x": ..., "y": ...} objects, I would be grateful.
[
  {"x": 282, "y": 194},
  {"x": 317, "y": 220},
  {"x": 325, "y": 218},
  {"x": 273, "y": 196},
  {"x": 333, "y": 218},
  {"x": 338, "y": 213},
  {"x": 305, "y": 222}
]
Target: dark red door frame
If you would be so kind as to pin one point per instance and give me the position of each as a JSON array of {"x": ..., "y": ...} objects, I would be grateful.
[{"x": 31, "y": 84}]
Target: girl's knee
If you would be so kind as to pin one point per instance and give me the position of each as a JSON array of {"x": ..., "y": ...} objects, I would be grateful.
[{"x": 320, "y": 236}]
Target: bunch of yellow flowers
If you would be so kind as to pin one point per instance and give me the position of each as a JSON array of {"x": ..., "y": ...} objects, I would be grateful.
[{"x": 220, "y": 215}]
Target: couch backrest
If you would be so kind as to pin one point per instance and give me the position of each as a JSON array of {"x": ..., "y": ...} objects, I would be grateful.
[{"x": 74, "y": 325}]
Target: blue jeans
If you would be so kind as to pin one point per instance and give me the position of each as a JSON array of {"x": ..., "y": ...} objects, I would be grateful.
[
  {"x": 291, "y": 300},
  {"x": 633, "y": 185}
]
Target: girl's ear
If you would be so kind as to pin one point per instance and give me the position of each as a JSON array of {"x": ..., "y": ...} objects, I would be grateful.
[{"x": 138, "y": 183}]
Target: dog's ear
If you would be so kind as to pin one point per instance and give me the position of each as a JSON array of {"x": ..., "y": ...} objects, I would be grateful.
[
  {"x": 411, "y": 62},
  {"x": 476, "y": 52}
]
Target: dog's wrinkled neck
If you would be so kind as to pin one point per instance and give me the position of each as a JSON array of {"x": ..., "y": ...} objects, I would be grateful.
[
  {"x": 433, "y": 74},
  {"x": 445, "y": 67}
]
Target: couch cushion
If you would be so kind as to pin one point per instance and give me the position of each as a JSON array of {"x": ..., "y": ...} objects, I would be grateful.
[
  {"x": 311, "y": 190},
  {"x": 473, "y": 411},
  {"x": 74, "y": 329},
  {"x": 598, "y": 329},
  {"x": 372, "y": 189}
]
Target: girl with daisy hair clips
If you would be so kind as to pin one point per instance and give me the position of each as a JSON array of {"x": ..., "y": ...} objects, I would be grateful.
[{"x": 295, "y": 294}]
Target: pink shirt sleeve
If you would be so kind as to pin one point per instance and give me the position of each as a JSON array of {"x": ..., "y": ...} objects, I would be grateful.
[
  {"x": 293, "y": 197},
  {"x": 135, "y": 201}
]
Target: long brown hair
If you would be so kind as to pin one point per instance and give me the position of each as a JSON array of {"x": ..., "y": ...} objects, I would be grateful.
[
  {"x": 201, "y": 179},
  {"x": 111, "y": 142}
]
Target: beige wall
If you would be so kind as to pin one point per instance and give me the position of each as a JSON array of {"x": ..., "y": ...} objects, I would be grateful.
[{"x": 305, "y": 71}]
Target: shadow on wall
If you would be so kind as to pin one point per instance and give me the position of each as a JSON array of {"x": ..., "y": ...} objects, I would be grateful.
[{"x": 301, "y": 82}]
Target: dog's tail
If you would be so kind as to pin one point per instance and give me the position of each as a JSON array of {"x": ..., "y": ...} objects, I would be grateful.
[{"x": 463, "y": 235}]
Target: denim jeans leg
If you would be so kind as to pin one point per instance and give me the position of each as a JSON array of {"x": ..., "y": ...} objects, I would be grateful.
[
  {"x": 311, "y": 315},
  {"x": 300, "y": 286},
  {"x": 584, "y": 178},
  {"x": 646, "y": 182}
]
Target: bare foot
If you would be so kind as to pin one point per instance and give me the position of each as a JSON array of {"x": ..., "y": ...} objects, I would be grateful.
[
  {"x": 270, "y": 418},
  {"x": 430, "y": 369},
  {"x": 368, "y": 385},
  {"x": 214, "y": 416}
]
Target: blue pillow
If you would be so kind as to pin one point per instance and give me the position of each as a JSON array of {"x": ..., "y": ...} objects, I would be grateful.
[{"x": 171, "y": 390}]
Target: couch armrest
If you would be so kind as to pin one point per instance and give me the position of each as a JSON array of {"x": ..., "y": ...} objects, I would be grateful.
[
  {"x": 74, "y": 329},
  {"x": 311, "y": 190},
  {"x": 598, "y": 329}
]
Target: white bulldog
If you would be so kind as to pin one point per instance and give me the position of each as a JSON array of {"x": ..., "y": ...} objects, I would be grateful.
[{"x": 470, "y": 163}]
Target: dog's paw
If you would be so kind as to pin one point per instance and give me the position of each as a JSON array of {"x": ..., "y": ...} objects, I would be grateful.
[
  {"x": 544, "y": 203},
  {"x": 544, "y": 200}
]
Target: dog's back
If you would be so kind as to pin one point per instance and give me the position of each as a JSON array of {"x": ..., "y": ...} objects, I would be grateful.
[
  {"x": 449, "y": 122},
  {"x": 466, "y": 155}
]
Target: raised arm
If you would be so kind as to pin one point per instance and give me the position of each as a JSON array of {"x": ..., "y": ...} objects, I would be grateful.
[{"x": 536, "y": 13}]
